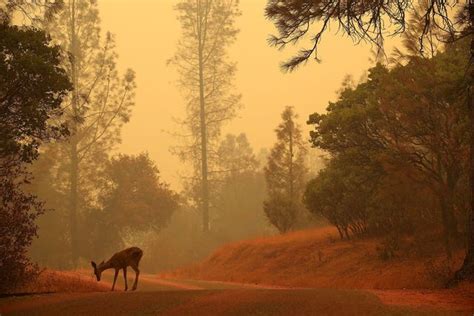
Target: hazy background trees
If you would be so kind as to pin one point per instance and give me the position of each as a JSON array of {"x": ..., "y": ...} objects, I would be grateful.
[
  {"x": 238, "y": 195},
  {"x": 286, "y": 175},
  {"x": 120, "y": 199},
  {"x": 206, "y": 80},
  {"x": 240, "y": 191},
  {"x": 133, "y": 200},
  {"x": 95, "y": 111}
]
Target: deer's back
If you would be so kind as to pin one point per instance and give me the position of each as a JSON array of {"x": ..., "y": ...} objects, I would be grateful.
[{"x": 127, "y": 257}]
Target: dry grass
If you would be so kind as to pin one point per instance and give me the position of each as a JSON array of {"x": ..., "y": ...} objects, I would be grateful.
[
  {"x": 460, "y": 299},
  {"x": 317, "y": 259},
  {"x": 314, "y": 258},
  {"x": 62, "y": 282}
]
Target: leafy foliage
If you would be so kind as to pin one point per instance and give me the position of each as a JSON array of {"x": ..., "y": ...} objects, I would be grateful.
[
  {"x": 369, "y": 21},
  {"x": 372, "y": 21},
  {"x": 390, "y": 139},
  {"x": 32, "y": 86},
  {"x": 134, "y": 200},
  {"x": 240, "y": 191}
]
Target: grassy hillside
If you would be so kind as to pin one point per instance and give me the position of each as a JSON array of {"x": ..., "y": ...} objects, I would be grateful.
[{"x": 317, "y": 258}]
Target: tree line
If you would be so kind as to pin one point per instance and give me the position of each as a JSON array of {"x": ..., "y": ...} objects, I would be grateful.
[
  {"x": 63, "y": 103},
  {"x": 448, "y": 21},
  {"x": 92, "y": 200},
  {"x": 399, "y": 143}
]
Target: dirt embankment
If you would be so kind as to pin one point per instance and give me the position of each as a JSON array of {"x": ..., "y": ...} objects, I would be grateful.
[
  {"x": 318, "y": 259},
  {"x": 312, "y": 258}
]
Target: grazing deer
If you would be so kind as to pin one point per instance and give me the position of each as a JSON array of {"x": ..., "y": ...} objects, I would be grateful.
[{"x": 120, "y": 261}]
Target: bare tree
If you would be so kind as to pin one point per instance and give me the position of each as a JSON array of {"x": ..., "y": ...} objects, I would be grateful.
[
  {"x": 100, "y": 103},
  {"x": 206, "y": 79}
]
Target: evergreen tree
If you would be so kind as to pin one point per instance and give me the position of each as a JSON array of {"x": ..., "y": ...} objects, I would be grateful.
[
  {"x": 97, "y": 108},
  {"x": 206, "y": 78},
  {"x": 241, "y": 191},
  {"x": 285, "y": 174}
]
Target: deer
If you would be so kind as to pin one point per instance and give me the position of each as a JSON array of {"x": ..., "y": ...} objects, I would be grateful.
[{"x": 129, "y": 257}]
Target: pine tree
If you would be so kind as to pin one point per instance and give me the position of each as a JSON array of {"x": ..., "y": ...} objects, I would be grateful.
[
  {"x": 206, "y": 78},
  {"x": 285, "y": 174},
  {"x": 97, "y": 108}
]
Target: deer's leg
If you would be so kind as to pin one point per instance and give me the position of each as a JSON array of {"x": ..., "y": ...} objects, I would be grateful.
[
  {"x": 115, "y": 278},
  {"x": 137, "y": 273},
  {"x": 125, "y": 277}
]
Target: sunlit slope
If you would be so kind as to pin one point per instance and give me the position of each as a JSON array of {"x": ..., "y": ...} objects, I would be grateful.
[{"x": 316, "y": 258}]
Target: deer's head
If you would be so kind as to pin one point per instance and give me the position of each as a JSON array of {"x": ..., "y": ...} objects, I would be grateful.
[{"x": 97, "y": 269}]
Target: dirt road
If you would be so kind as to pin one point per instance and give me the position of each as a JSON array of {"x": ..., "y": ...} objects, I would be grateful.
[{"x": 185, "y": 297}]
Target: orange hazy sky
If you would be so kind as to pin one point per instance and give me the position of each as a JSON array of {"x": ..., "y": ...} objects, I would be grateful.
[{"x": 146, "y": 33}]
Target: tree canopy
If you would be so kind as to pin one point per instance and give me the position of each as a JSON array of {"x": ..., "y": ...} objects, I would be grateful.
[
  {"x": 32, "y": 87},
  {"x": 388, "y": 140}
]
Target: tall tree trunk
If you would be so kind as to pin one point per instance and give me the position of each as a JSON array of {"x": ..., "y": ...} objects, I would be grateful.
[
  {"x": 339, "y": 229},
  {"x": 451, "y": 181},
  {"x": 446, "y": 225},
  {"x": 468, "y": 266},
  {"x": 204, "y": 167},
  {"x": 73, "y": 198},
  {"x": 74, "y": 167},
  {"x": 291, "y": 168},
  {"x": 450, "y": 225},
  {"x": 293, "y": 209},
  {"x": 467, "y": 269},
  {"x": 203, "y": 125}
]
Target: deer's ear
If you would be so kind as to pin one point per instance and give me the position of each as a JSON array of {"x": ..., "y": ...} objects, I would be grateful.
[
  {"x": 93, "y": 264},
  {"x": 102, "y": 262}
]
